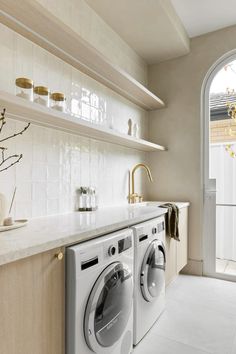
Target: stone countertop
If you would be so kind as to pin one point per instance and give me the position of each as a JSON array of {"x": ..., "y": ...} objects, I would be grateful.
[{"x": 46, "y": 233}]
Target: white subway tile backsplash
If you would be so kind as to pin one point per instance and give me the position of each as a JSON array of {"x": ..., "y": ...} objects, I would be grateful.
[
  {"x": 23, "y": 210},
  {"x": 52, "y": 190},
  {"x": 39, "y": 208},
  {"x": 24, "y": 192},
  {"x": 24, "y": 170},
  {"x": 53, "y": 173},
  {"x": 52, "y": 206},
  {"x": 56, "y": 163},
  {"x": 39, "y": 191},
  {"x": 85, "y": 97},
  {"x": 39, "y": 171},
  {"x": 24, "y": 63},
  {"x": 50, "y": 173},
  {"x": 7, "y": 60}
]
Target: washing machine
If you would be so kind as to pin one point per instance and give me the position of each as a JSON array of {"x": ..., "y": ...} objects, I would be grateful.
[
  {"x": 149, "y": 275},
  {"x": 99, "y": 295}
]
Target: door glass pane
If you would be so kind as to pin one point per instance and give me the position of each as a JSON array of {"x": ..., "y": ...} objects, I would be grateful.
[
  {"x": 113, "y": 306},
  {"x": 156, "y": 270},
  {"x": 222, "y": 168}
]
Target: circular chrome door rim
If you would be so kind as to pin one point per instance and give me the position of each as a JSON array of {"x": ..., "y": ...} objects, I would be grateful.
[
  {"x": 89, "y": 318},
  {"x": 144, "y": 270}
]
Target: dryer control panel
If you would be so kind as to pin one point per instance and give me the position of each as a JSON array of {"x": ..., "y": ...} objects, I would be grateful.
[
  {"x": 149, "y": 230},
  {"x": 161, "y": 226},
  {"x": 124, "y": 244}
]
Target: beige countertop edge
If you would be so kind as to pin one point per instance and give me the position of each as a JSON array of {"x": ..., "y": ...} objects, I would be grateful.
[
  {"x": 19, "y": 243},
  {"x": 72, "y": 238}
]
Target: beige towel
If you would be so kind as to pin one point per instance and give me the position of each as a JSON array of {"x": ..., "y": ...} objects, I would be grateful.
[{"x": 172, "y": 224}]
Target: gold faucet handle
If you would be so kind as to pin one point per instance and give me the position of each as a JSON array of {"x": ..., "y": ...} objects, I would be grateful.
[{"x": 133, "y": 198}]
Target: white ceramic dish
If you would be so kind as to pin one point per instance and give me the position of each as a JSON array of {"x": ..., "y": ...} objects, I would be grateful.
[{"x": 16, "y": 225}]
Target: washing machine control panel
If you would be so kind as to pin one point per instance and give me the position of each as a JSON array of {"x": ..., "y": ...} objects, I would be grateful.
[
  {"x": 122, "y": 245},
  {"x": 112, "y": 250},
  {"x": 154, "y": 230}
]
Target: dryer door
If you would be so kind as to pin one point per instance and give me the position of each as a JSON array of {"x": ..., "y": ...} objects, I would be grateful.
[
  {"x": 152, "y": 277},
  {"x": 108, "y": 308}
]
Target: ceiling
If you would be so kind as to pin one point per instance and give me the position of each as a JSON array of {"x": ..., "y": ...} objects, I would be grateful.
[
  {"x": 203, "y": 16},
  {"x": 159, "y": 30},
  {"x": 150, "y": 27}
]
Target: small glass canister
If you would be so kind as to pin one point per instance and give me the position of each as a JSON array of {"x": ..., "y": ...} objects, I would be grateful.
[
  {"x": 58, "y": 101},
  {"x": 24, "y": 88},
  {"x": 82, "y": 198},
  {"x": 41, "y": 95},
  {"x": 93, "y": 198},
  {"x": 79, "y": 202}
]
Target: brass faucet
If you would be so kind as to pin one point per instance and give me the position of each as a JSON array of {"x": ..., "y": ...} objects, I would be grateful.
[{"x": 134, "y": 197}]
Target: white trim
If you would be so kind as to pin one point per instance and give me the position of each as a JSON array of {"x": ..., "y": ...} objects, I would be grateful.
[
  {"x": 224, "y": 276},
  {"x": 193, "y": 267},
  {"x": 208, "y": 185},
  {"x": 224, "y": 143}
]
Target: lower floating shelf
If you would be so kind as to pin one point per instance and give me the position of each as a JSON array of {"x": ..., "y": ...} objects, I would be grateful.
[{"x": 20, "y": 109}]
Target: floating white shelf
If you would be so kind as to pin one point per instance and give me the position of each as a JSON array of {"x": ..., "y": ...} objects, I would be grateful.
[
  {"x": 20, "y": 109},
  {"x": 36, "y": 23}
]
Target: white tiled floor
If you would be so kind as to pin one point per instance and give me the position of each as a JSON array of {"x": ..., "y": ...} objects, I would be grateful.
[
  {"x": 200, "y": 318},
  {"x": 225, "y": 266}
]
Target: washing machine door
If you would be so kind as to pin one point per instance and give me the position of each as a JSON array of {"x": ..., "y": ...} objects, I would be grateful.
[
  {"x": 152, "y": 277},
  {"x": 108, "y": 308}
]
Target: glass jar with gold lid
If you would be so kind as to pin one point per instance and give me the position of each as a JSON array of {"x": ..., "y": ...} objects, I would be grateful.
[
  {"x": 58, "y": 101},
  {"x": 41, "y": 95},
  {"x": 24, "y": 88}
]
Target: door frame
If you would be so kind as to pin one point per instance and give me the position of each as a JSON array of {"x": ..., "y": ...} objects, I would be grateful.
[{"x": 209, "y": 185}]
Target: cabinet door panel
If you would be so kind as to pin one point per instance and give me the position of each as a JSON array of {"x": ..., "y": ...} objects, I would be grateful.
[
  {"x": 32, "y": 305},
  {"x": 170, "y": 272},
  {"x": 182, "y": 246}
]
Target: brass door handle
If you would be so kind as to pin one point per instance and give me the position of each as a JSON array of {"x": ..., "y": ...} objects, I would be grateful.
[{"x": 59, "y": 256}]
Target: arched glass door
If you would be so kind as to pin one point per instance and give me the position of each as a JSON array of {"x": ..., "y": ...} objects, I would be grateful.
[{"x": 219, "y": 132}]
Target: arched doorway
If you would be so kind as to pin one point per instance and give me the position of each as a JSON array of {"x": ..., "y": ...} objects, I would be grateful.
[{"x": 215, "y": 153}]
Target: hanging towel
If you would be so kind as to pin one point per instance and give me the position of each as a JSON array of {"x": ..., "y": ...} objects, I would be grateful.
[{"x": 172, "y": 220}]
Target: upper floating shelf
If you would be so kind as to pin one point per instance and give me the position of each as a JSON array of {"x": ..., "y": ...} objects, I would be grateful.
[
  {"x": 36, "y": 23},
  {"x": 20, "y": 109}
]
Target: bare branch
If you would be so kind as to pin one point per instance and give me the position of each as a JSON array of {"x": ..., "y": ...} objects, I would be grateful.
[
  {"x": 6, "y": 161},
  {"x": 3, "y": 152},
  {"x": 2, "y": 119},
  {"x": 8, "y": 158},
  {"x": 14, "y": 135},
  {"x": 13, "y": 163}
]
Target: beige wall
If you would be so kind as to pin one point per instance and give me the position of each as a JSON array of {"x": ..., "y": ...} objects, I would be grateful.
[
  {"x": 177, "y": 172},
  {"x": 78, "y": 15}
]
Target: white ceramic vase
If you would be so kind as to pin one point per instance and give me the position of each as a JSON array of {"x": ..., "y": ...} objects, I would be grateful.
[{"x": 3, "y": 208}]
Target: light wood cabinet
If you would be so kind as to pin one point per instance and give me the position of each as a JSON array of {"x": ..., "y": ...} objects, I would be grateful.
[
  {"x": 170, "y": 259},
  {"x": 32, "y": 305},
  {"x": 182, "y": 246},
  {"x": 177, "y": 252}
]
